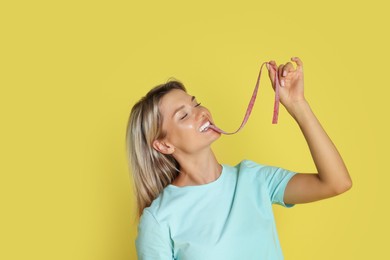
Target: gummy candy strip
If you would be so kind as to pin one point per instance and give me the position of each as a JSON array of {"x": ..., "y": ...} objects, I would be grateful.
[{"x": 252, "y": 103}]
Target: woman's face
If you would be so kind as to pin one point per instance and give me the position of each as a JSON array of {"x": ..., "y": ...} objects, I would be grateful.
[{"x": 185, "y": 121}]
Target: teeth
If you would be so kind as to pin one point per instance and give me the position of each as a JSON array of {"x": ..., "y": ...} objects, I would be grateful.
[{"x": 204, "y": 127}]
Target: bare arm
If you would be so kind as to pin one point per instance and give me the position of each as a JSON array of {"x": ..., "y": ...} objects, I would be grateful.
[{"x": 332, "y": 177}]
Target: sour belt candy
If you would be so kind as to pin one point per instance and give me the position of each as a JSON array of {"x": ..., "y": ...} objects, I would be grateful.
[{"x": 252, "y": 102}]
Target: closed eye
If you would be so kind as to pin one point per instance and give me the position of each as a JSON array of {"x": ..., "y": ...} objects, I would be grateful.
[{"x": 183, "y": 116}]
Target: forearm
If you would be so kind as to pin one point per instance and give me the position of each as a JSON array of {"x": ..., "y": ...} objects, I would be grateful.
[{"x": 332, "y": 171}]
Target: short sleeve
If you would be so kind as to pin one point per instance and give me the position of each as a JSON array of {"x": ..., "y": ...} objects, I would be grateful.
[
  {"x": 277, "y": 179},
  {"x": 153, "y": 241}
]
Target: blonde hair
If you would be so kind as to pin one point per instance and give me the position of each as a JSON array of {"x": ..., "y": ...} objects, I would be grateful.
[{"x": 152, "y": 171}]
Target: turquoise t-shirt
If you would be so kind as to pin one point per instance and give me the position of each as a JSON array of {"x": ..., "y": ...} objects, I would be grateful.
[{"x": 230, "y": 218}]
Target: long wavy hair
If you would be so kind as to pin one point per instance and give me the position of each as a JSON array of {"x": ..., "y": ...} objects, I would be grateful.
[{"x": 152, "y": 171}]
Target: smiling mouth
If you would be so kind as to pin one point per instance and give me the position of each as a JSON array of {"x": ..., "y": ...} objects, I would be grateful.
[{"x": 205, "y": 127}]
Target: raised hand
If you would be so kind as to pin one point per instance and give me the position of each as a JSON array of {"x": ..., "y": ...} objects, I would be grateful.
[{"x": 291, "y": 82}]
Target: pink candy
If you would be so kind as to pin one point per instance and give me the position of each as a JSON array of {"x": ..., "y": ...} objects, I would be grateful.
[{"x": 252, "y": 103}]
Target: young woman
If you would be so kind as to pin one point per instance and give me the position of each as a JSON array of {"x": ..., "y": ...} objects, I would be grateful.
[{"x": 193, "y": 207}]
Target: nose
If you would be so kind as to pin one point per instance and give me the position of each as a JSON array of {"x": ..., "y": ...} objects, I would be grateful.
[{"x": 200, "y": 113}]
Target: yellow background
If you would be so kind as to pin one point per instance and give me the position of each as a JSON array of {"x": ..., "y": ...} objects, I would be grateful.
[{"x": 71, "y": 71}]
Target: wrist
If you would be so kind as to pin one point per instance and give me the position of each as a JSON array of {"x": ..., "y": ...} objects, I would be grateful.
[{"x": 299, "y": 109}]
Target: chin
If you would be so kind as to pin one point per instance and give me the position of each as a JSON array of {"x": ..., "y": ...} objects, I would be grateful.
[{"x": 216, "y": 136}]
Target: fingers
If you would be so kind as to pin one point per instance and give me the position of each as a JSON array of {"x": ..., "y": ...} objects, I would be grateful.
[
  {"x": 287, "y": 68},
  {"x": 283, "y": 70},
  {"x": 298, "y": 62},
  {"x": 272, "y": 63},
  {"x": 272, "y": 68},
  {"x": 280, "y": 74}
]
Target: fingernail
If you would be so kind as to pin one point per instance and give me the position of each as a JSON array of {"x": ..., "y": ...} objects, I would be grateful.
[
  {"x": 284, "y": 73},
  {"x": 282, "y": 82}
]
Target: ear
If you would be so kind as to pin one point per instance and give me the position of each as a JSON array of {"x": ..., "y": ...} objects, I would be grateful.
[{"x": 163, "y": 147}]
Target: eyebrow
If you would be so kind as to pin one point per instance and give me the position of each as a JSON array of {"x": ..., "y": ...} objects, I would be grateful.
[{"x": 181, "y": 107}]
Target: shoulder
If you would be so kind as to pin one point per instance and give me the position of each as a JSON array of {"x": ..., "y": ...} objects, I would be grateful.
[
  {"x": 251, "y": 167},
  {"x": 246, "y": 171},
  {"x": 261, "y": 172},
  {"x": 149, "y": 222},
  {"x": 148, "y": 217},
  {"x": 156, "y": 209},
  {"x": 249, "y": 164}
]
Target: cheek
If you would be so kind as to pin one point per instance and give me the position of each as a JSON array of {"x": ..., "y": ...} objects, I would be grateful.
[
  {"x": 188, "y": 125},
  {"x": 184, "y": 130},
  {"x": 175, "y": 131}
]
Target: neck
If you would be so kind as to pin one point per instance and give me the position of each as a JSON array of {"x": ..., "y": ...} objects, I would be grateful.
[{"x": 198, "y": 169}]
